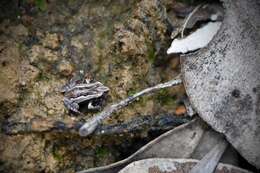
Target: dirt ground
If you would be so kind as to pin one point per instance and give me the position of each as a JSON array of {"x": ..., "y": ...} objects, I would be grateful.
[{"x": 120, "y": 43}]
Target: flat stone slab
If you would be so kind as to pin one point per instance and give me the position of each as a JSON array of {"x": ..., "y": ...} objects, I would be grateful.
[{"x": 162, "y": 165}]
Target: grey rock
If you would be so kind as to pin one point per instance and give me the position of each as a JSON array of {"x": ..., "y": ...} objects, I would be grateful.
[{"x": 223, "y": 79}]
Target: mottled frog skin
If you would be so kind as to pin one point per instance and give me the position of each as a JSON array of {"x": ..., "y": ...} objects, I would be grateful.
[{"x": 85, "y": 91}]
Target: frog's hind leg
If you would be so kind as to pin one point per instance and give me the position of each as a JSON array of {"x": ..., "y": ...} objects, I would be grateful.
[{"x": 72, "y": 106}]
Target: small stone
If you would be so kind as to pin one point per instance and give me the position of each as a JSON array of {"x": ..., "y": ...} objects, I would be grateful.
[
  {"x": 72, "y": 28},
  {"x": 174, "y": 63},
  {"x": 39, "y": 34},
  {"x": 44, "y": 109},
  {"x": 20, "y": 30},
  {"x": 64, "y": 51},
  {"x": 65, "y": 68},
  {"x": 76, "y": 43},
  {"x": 130, "y": 43},
  {"x": 51, "y": 112},
  {"x": 38, "y": 53},
  {"x": 22, "y": 83},
  {"x": 81, "y": 72},
  {"x": 52, "y": 41},
  {"x": 54, "y": 104},
  {"x": 28, "y": 73},
  {"x": 42, "y": 94},
  {"x": 181, "y": 110}
]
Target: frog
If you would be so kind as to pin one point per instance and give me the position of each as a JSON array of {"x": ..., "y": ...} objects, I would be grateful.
[{"x": 85, "y": 91}]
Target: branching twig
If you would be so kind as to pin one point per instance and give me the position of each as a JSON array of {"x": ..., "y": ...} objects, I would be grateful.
[
  {"x": 188, "y": 18},
  {"x": 92, "y": 124}
]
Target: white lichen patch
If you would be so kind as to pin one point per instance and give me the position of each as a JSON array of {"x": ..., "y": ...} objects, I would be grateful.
[{"x": 196, "y": 40}]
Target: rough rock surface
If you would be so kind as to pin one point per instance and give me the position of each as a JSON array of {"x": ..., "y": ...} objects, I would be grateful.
[{"x": 121, "y": 43}]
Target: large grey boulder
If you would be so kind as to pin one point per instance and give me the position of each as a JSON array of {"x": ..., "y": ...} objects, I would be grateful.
[{"x": 223, "y": 79}]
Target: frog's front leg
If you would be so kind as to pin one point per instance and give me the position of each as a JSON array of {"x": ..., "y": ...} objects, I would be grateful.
[
  {"x": 73, "y": 106},
  {"x": 93, "y": 107}
]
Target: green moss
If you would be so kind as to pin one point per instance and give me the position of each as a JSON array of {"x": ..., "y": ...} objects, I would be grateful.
[
  {"x": 57, "y": 155},
  {"x": 143, "y": 100},
  {"x": 99, "y": 44},
  {"x": 165, "y": 98},
  {"x": 131, "y": 92},
  {"x": 151, "y": 53},
  {"x": 101, "y": 152},
  {"x": 41, "y": 4},
  {"x": 107, "y": 29},
  {"x": 71, "y": 2},
  {"x": 20, "y": 46},
  {"x": 42, "y": 77}
]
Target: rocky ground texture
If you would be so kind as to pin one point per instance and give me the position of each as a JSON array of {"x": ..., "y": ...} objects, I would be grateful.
[{"x": 121, "y": 43}]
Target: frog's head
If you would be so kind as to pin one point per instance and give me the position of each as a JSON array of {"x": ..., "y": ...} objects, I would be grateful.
[{"x": 88, "y": 78}]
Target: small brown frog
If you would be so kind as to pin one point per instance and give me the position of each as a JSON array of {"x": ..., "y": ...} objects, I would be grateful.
[{"x": 84, "y": 91}]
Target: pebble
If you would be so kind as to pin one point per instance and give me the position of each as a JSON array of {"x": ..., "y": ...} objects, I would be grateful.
[{"x": 65, "y": 68}]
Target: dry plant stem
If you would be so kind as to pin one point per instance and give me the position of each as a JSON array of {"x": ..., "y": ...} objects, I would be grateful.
[
  {"x": 188, "y": 18},
  {"x": 92, "y": 124}
]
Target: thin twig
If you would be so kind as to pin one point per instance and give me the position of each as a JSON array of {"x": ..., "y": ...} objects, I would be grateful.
[
  {"x": 188, "y": 18},
  {"x": 92, "y": 123}
]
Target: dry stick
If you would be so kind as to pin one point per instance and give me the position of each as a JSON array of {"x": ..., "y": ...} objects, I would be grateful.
[
  {"x": 188, "y": 18},
  {"x": 71, "y": 126},
  {"x": 92, "y": 124}
]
